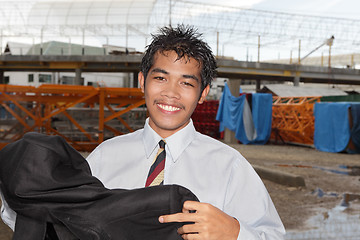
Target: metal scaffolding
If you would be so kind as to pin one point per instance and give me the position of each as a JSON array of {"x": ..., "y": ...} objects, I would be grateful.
[{"x": 83, "y": 115}]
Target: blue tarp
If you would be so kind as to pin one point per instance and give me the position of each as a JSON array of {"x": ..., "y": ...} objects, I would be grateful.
[
  {"x": 251, "y": 126},
  {"x": 332, "y": 126},
  {"x": 355, "y": 130}
]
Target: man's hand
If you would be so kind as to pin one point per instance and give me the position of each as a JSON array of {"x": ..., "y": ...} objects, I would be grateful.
[{"x": 210, "y": 223}]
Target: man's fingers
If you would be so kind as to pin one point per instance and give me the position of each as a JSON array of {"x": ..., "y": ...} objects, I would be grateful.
[
  {"x": 190, "y": 236},
  {"x": 191, "y": 206},
  {"x": 178, "y": 217},
  {"x": 188, "y": 228},
  {"x": 188, "y": 232}
]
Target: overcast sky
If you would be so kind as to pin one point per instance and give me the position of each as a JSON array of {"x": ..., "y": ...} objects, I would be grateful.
[
  {"x": 330, "y": 8},
  {"x": 335, "y": 8}
]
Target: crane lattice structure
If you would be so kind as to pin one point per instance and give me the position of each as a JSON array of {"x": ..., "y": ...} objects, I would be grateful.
[
  {"x": 293, "y": 119},
  {"x": 232, "y": 31},
  {"x": 83, "y": 115}
]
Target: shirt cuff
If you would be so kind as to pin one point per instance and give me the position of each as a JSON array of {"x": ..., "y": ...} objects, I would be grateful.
[
  {"x": 272, "y": 233},
  {"x": 7, "y": 214},
  {"x": 247, "y": 233}
]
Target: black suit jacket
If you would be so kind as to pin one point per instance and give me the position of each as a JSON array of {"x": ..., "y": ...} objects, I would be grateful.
[{"x": 49, "y": 185}]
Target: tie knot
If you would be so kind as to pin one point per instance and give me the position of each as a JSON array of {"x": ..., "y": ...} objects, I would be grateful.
[{"x": 162, "y": 144}]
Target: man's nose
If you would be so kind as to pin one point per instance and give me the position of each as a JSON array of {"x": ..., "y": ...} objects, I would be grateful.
[{"x": 171, "y": 90}]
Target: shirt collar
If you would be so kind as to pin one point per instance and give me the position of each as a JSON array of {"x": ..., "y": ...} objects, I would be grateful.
[
  {"x": 150, "y": 139},
  {"x": 175, "y": 144}
]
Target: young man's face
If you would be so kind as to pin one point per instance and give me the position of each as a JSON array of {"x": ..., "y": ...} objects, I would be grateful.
[{"x": 172, "y": 91}]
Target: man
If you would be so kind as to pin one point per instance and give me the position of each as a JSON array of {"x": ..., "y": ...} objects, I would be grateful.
[{"x": 176, "y": 73}]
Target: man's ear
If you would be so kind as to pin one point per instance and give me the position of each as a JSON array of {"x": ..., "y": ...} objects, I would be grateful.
[
  {"x": 141, "y": 81},
  {"x": 204, "y": 93}
]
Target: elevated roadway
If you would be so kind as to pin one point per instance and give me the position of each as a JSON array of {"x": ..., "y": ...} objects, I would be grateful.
[{"x": 231, "y": 69}]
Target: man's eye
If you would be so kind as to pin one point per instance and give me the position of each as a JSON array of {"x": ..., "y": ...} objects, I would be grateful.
[
  {"x": 188, "y": 84},
  {"x": 159, "y": 78}
]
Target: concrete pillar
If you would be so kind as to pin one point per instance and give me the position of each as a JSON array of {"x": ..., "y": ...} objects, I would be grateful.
[
  {"x": 229, "y": 136},
  {"x": 58, "y": 78},
  {"x": 2, "y": 80},
  {"x": 234, "y": 86},
  {"x": 126, "y": 80},
  {"x": 258, "y": 85},
  {"x": 296, "y": 81},
  {"x": 78, "y": 80},
  {"x": 136, "y": 79},
  {"x": 53, "y": 78}
]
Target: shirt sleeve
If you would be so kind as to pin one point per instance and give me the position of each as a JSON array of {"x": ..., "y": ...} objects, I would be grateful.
[
  {"x": 93, "y": 160},
  {"x": 7, "y": 214},
  {"x": 249, "y": 202}
]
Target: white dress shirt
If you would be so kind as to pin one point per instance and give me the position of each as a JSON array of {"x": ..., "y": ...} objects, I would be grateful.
[
  {"x": 214, "y": 172},
  {"x": 7, "y": 214}
]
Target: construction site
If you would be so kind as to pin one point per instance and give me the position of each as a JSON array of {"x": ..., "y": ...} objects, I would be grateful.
[{"x": 71, "y": 69}]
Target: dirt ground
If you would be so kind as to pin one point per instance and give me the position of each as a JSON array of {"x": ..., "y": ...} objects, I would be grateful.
[{"x": 329, "y": 174}]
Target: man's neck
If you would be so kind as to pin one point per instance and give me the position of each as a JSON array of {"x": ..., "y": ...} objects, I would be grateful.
[{"x": 165, "y": 133}]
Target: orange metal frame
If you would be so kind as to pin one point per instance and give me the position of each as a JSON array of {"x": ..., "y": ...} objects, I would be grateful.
[
  {"x": 293, "y": 119},
  {"x": 36, "y": 106}
]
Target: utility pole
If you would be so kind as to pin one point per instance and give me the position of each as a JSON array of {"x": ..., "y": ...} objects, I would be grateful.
[
  {"x": 299, "y": 60},
  {"x": 41, "y": 43},
  {"x": 1, "y": 42},
  {"x": 170, "y": 13},
  {"x": 217, "y": 44},
  {"x": 328, "y": 42},
  {"x": 258, "y": 48}
]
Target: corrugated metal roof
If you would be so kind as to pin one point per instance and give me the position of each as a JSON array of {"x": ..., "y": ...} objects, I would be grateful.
[
  {"x": 61, "y": 48},
  {"x": 283, "y": 90},
  {"x": 15, "y": 48}
]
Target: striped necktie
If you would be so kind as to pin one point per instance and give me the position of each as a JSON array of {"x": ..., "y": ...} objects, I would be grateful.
[{"x": 156, "y": 173}]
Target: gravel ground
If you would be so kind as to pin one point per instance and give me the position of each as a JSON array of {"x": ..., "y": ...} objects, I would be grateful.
[{"x": 329, "y": 174}]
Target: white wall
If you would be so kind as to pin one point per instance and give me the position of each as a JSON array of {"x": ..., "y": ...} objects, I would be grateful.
[{"x": 98, "y": 79}]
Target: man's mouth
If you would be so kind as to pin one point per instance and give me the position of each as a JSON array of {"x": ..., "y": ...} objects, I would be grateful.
[{"x": 168, "y": 107}]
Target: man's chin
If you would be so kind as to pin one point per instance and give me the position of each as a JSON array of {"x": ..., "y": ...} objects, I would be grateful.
[{"x": 170, "y": 127}]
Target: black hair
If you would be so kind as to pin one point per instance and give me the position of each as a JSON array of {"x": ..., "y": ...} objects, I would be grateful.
[{"x": 187, "y": 43}]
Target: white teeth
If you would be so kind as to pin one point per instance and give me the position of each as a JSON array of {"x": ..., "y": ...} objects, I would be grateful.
[{"x": 168, "y": 108}]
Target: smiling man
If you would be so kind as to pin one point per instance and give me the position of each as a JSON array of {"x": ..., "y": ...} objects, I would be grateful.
[
  {"x": 172, "y": 91},
  {"x": 176, "y": 73}
]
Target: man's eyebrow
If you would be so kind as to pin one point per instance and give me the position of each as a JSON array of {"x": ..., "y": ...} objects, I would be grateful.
[
  {"x": 159, "y": 70},
  {"x": 191, "y": 76}
]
